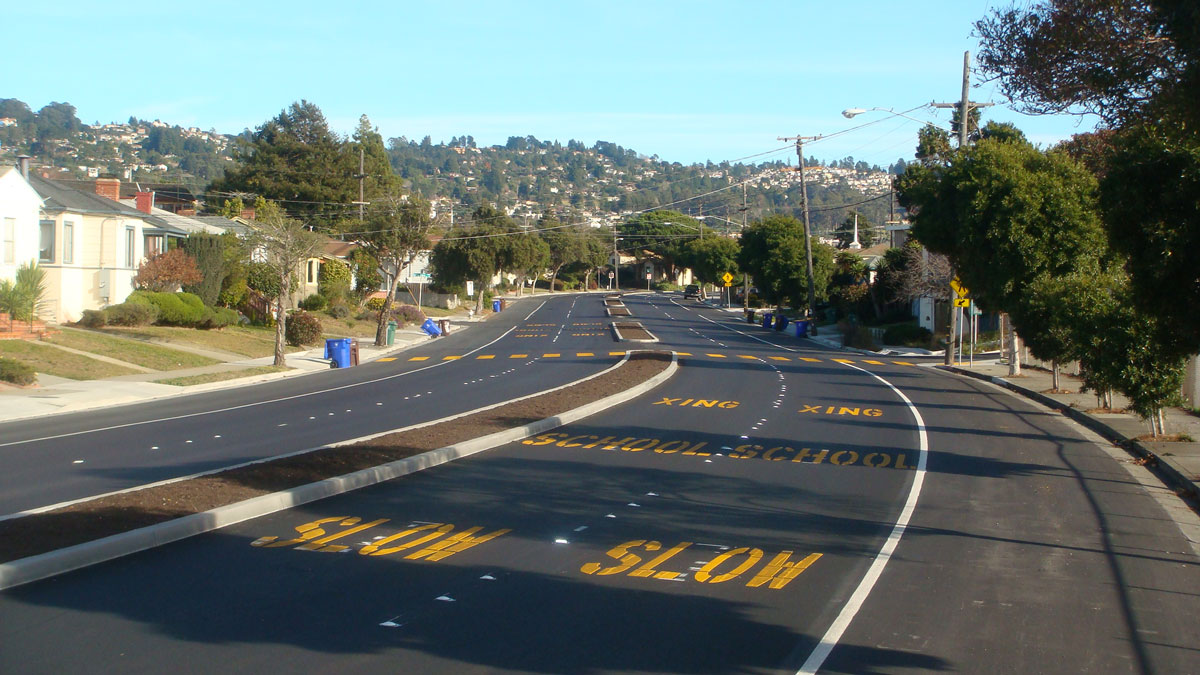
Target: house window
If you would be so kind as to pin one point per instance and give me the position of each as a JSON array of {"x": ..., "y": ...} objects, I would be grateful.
[
  {"x": 46, "y": 250},
  {"x": 129, "y": 249},
  {"x": 10, "y": 240},
  {"x": 68, "y": 243},
  {"x": 312, "y": 271},
  {"x": 154, "y": 245}
]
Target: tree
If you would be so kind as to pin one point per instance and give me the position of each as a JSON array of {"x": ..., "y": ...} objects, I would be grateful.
[
  {"x": 526, "y": 255},
  {"x": 378, "y": 177},
  {"x": 566, "y": 245},
  {"x": 477, "y": 255},
  {"x": 208, "y": 253},
  {"x": 772, "y": 252},
  {"x": 663, "y": 233},
  {"x": 284, "y": 245},
  {"x": 295, "y": 159},
  {"x": 167, "y": 272},
  {"x": 711, "y": 257},
  {"x": 397, "y": 230}
]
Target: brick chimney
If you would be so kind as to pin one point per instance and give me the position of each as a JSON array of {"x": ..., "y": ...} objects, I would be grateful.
[
  {"x": 145, "y": 201},
  {"x": 109, "y": 187}
]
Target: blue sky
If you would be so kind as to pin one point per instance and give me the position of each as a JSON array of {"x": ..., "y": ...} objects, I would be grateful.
[{"x": 687, "y": 81}]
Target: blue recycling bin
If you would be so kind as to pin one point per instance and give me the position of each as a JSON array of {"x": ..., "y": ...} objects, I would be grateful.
[
  {"x": 768, "y": 317},
  {"x": 781, "y": 322},
  {"x": 496, "y": 305},
  {"x": 801, "y": 329},
  {"x": 337, "y": 350},
  {"x": 430, "y": 328}
]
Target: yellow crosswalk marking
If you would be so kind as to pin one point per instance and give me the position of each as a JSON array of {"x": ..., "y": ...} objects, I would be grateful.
[
  {"x": 716, "y": 356},
  {"x": 518, "y": 356},
  {"x": 903, "y": 363},
  {"x": 451, "y": 358},
  {"x": 387, "y": 358},
  {"x": 779, "y": 358},
  {"x": 485, "y": 356},
  {"x": 875, "y": 363},
  {"x": 419, "y": 358},
  {"x": 584, "y": 354}
]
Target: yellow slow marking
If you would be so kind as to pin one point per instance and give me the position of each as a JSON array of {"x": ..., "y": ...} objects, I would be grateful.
[
  {"x": 842, "y": 361},
  {"x": 387, "y": 358},
  {"x": 483, "y": 357},
  {"x": 875, "y": 363},
  {"x": 419, "y": 358},
  {"x": 551, "y": 356},
  {"x": 451, "y": 358},
  {"x": 518, "y": 356},
  {"x": 779, "y": 358},
  {"x": 902, "y": 363},
  {"x": 810, "y": 360},
  {"x": 716, "y": 356},
  {"x": 584, "y": 354}
]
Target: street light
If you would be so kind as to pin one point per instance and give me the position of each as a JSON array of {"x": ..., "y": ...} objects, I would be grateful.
[{"x": 851, "y": 113}]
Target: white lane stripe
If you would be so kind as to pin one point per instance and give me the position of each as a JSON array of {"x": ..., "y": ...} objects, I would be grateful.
[
  {"x": 855, "y": 603},
  {"x": 256, "y": 403},
  {"x": 535, "y": 311}
]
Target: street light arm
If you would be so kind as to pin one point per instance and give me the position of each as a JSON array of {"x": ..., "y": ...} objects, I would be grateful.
[{"x": 851, "y": 113}]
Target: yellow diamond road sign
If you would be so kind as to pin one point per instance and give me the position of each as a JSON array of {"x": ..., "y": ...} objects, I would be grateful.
[
  {"x": 959, "y": 289},
  {"x": 727, "y": 277}
]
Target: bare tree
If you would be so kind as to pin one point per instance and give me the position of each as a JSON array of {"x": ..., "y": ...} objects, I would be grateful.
[
  {"x": 283, "y": 244},
  {"x": 397, "y": 230}
]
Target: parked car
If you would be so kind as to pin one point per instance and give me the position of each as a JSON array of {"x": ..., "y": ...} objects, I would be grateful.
[{"x": 692, "y": 291}]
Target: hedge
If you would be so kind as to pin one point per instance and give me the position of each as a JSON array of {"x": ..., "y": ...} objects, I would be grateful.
[{"x": 16, "y": 372}]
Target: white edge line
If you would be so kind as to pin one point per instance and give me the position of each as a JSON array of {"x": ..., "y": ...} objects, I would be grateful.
[
  {"x": 34, "y": 568},
  {"x": 855, "y": 603},
  {"x": 251, "y": 405},
  {"x": 535, "y": 311}
]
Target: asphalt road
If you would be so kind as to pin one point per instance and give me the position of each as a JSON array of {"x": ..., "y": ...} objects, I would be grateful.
[{"x": 732, "y": 520}]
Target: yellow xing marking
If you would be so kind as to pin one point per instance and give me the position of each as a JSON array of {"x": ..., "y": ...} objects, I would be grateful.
[
  {"x": 775, "y": 574},
  {"x": 697, "y": 403},
  {"x": 837, "y": 410}
]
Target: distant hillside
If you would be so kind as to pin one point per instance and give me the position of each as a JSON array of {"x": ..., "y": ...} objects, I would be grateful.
[{"x": 526, "y": 176}]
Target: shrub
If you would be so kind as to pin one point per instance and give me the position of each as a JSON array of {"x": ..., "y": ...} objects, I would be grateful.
[
  {"x": 314, "y": 303},
  {"x": 218, "y": 317},
  {"x": 16, "y": 372},
  {"x": 234, "y": 293},
  {"x": 409, "y": 314},
  {"x": 132, "y": 314},
  {"x": 168, "y": 271},
  {"x": 338, "y": 311},
  {"x": 333, "y": 281},
  {"x": 174, "y": 309},
  {"x": 907, "y": 335},
  {"x": 93, "y": 318},
  {"x": 374, "y": 305},
  {"x": 262, "y": 278},
  {"x": 857, "y": 335},
  {"x": 303, "y": 329}
]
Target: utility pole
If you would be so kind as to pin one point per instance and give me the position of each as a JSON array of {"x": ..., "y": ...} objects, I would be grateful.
[
  {"x": 812, "y": 291},
  {"x": 964, "y": 119},
  {"x": 616, "y": 263},
  {"x": 745, "y": 277},
  {"x": 361, "y": 177}
]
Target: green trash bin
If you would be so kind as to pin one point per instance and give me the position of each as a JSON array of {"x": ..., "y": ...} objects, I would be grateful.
[{"x": 391, "y": 333}]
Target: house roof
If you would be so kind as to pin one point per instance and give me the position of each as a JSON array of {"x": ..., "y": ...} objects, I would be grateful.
[
  {"x": 339, "y": 249},
  {"x": 226, "y": 224},
  {"x": 186, "y": 224},
  {"x": 164, "y": 191},
  {"x": 58, "y": 197}
]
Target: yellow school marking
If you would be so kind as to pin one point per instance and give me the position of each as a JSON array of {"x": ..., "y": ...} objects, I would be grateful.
[
  {"x": 810, "y": 360},
  {"x": 779, "y": 358},
  {"x": 842, "y": 361},
  {"x": 584, "y": 354},
  {"x": 451, "y": 358},
  {"x": 747, "y": 356},
  {"x": 518, "y": 356},
  {"x": 482, "y": 357},
  {"x": 716, "y": 356},
  {"x": 387, "y": 358},
  {"x": 902, "y": 363},
  {"x": 551, "y": 356},
  {"x": 419, "y": 358},
  {"x": 874, "y": 363}
]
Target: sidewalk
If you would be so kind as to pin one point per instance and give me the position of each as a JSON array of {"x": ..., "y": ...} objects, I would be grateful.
[
  {"x": 1177, "y": 463},
  {"x": 59, "y": 395}
]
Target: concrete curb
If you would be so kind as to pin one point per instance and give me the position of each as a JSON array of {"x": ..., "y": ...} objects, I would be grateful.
[
  {"x": 53, "y": 563},
  {"x": 1162, "y": 467}
]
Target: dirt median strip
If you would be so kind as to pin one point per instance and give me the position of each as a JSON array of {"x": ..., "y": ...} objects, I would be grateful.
[{"x": 118, "y": 513}]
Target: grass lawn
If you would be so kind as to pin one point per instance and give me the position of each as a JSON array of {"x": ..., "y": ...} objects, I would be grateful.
[
  {"x": 56, "y": 362},
  {"x": 253, "y": 342},
  {"x": 144, "y": 354},
  {"x": 221, "y": 377}
]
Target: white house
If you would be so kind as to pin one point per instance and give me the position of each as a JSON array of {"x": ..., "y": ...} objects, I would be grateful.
[{"x": 19, "y": 204}]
